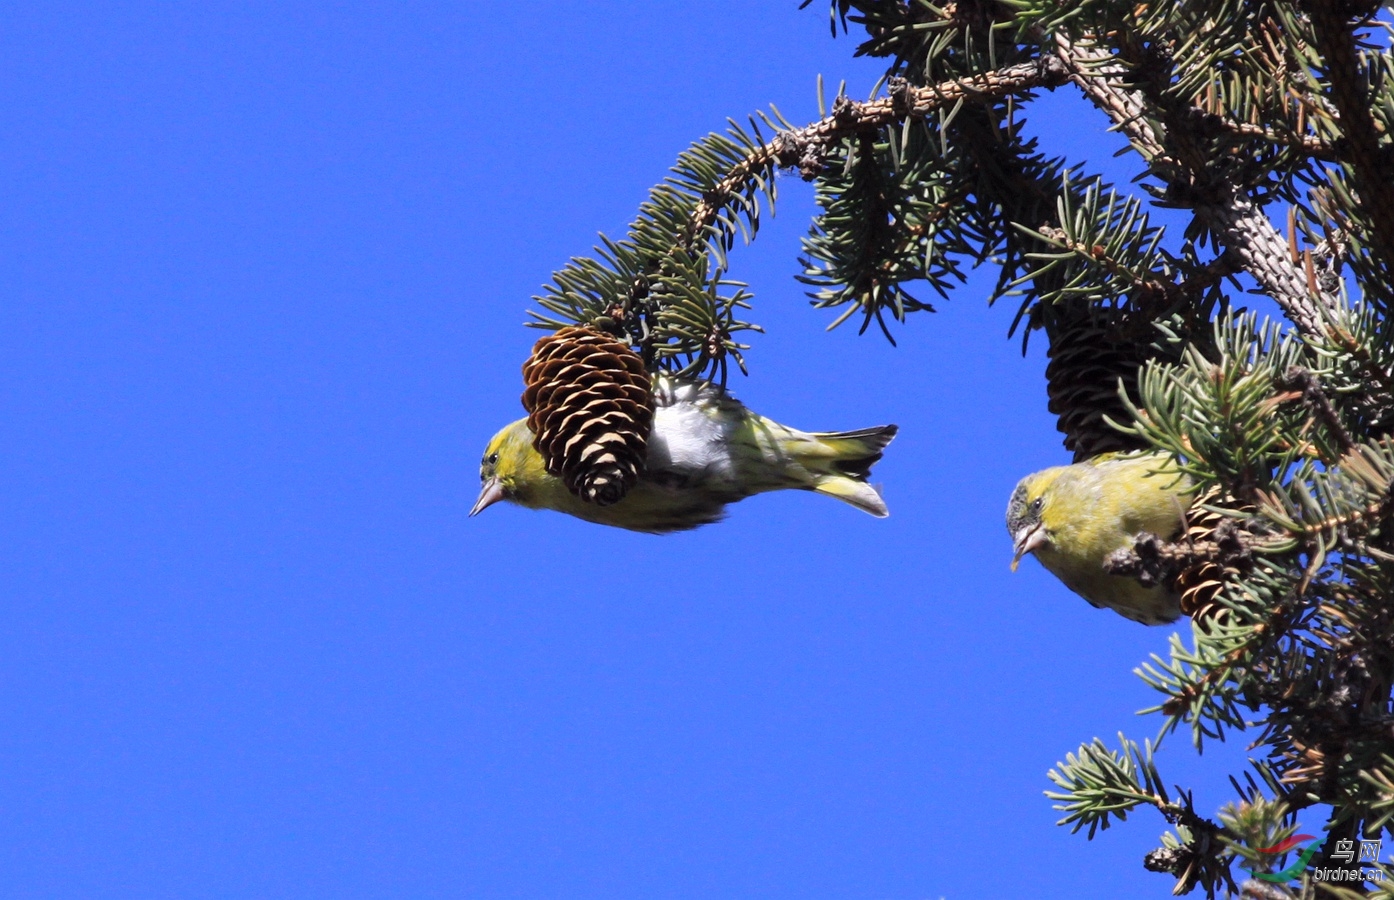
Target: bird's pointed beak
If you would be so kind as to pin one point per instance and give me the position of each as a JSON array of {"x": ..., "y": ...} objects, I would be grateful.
[
  {"x": 491, "y": 493},
  {"x": 1028, "y": 538}
]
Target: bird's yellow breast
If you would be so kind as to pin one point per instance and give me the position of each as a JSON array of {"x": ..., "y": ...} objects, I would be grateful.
[{"x": 1093, "y": 509}]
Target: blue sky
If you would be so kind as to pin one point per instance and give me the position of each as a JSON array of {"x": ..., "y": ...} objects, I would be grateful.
[{"x": 265, "y": 268}]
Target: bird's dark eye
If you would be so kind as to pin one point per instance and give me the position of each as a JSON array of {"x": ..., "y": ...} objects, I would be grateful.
[
  {"x": 1036, "y": 505},
  {"x": 492, "y": 458}
]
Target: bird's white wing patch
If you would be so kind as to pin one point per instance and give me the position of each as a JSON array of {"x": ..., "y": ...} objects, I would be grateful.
[{"x": 692, "y": 426}]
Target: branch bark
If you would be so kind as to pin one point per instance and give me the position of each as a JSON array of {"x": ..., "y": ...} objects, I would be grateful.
[
  {"x": 1234, "y": 218},
  {"x": 802, "y": 147}
]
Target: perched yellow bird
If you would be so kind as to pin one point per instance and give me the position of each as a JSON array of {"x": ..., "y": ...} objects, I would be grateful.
[
  {"x": 1073, "y": 517},
  {"x": 706, "y": 450}
]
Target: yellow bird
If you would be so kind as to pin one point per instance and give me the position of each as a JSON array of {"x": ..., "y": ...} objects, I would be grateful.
[
  {"x": 1073, "y": 517},
  {"x": 706, "y": 450}
]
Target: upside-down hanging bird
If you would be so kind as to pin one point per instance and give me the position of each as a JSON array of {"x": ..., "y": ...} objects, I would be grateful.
[{"x": 705, "y": 450}]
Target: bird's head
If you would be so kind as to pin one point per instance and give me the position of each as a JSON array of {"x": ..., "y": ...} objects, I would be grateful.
[
  {"x": 1028, "y": 511},
  {"x": 511, "y": 469}
]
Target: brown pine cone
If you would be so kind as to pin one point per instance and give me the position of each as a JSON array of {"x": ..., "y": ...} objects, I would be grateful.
[
  {"x": 590, "y": 408},
  {"x": 1200, "y": 584},
  {"x": 1086, "y": 363}
]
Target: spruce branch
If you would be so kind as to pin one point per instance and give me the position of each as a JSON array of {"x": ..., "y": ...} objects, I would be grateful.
[
  {"x": 1195, "y": 680},
  {"x": 1249, "y": 234},
  {"x": 1102, "y": 784},
  {"x": 1114, "y": 251},
  {"x": 1334, "y": 25},
  {"x": 663, "y": 288},
  {"x": 1309, "y": 145},
  {"x": 1380, "y": 777},
  {"x": 1101, "y": 78},
  {"x": 1237, "y": 221},
  {"x": 794, "y": 148},
  {"x": 1309, "y": 386},
  {"x": 1152, "y": 560}
]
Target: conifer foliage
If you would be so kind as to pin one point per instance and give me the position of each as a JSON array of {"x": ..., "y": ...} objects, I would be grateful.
[{"x": 1267, "y": 124}]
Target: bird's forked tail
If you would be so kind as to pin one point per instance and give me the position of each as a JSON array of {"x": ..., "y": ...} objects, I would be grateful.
[{"x": 842, "y": 464}]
